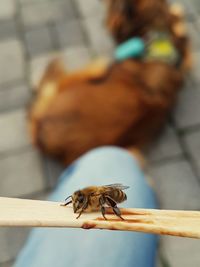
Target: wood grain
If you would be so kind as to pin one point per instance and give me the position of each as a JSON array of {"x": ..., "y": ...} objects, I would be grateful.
[{"x": 35, "y": 213}]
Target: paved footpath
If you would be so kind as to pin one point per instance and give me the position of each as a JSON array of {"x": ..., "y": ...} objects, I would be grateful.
[{"x": 31, "y": 33}]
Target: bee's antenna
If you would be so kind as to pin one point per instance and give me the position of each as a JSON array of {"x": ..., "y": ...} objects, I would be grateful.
[
  {"x": 66, "y": 203},
  {"x": 67, "y": 198}
]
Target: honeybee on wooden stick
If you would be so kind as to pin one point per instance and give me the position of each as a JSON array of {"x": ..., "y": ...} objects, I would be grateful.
[{"x": 94, "y": 198}]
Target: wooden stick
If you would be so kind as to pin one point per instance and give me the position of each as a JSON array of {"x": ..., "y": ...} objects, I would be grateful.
[{"x": 35, "y": 213}]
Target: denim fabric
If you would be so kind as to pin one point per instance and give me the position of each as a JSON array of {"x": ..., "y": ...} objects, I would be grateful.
[{"x": 95, "y": 248}]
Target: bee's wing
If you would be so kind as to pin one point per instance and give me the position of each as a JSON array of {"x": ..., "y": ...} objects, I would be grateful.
[{"x": 118, "y": 186}]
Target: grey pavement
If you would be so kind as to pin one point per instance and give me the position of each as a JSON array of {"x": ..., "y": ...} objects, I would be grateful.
[{"x": 32, "y": 32}]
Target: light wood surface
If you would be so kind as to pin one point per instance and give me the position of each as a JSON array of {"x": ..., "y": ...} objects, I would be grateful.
[{"x": 35, "y": 213}]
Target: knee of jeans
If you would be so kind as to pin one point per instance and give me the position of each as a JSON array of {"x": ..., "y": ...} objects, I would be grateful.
[
  {"x": 110, "y": 160},
  {"x": 107, "y": 154},
  {"x": 109, "y": 165},
  {"x": 118, "y": 166},
  {"x": 98, "y": 158}
]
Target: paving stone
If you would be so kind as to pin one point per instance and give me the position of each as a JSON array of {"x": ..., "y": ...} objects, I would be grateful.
[
  {"x": 166, "y": 146},
  {"x": 195, "y": 4},
  {"x": 158, "y": 262},
  {"x": 13, "y": 134},
  {"x": 21, "y": 174},
  {"x": 11, "y": 61},
  {"x": 8, "y": 29},
  {"x": 70, "y": 33},
  {"x": 47, "y": 12},
  {"x": 14, "y": 97},
  {"x": 37, "y": 67},
  {"x": 189, "y": 10},
  {"x": 73, "y": 57},
  {"x": 193, "y": 33},
  {"x": 98, "y": 36},
  {"x": 29, "y": 1},
  {"x": 76, "y": 57},
  {"x": 195, "y": 69},
  {"x": 53, "y": 171},
  {"x": 11, "y": 241},
  {"x": 7, "y": 9},
  {"x": 188, "y": 109},
  {"x": 176, "y": 186},
  {"x": 7, "y": 264},
  {"x": 38, "y": 40},
  {"x": 43, "y": 195},
  {"x": 90, "y": 7},
  {"x": 181, "y": 252},
  {"x": 192, "y": 142}
]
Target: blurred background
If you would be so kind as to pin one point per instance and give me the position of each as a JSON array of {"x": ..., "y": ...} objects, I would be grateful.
[{"x": 34, "y": 31}]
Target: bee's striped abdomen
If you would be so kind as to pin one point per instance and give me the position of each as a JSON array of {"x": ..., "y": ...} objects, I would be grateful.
[{"x": 117, "y": 195}]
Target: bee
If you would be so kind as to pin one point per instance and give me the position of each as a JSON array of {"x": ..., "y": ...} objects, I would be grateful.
[{"x": 94, "y": 198}]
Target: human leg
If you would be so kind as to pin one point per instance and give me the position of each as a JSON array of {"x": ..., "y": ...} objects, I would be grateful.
[{"x": 77, "y": 247}]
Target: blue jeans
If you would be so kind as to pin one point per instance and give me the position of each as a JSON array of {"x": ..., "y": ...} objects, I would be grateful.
[{"x": 95, "y": 248}]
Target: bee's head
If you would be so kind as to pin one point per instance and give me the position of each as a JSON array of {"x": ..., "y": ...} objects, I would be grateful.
[
  {"x": 129, "y": 18},
  {"x": 78, "y": 199}
]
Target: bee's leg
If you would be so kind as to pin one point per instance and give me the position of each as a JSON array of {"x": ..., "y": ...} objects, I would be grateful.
[
  {"x": 83, "y": 208},
  {"x": 113, "y": 204},
  {"x": 103, "y": 210},
  {"x": 117, "y": 212},
  {"x": 80, "y": 213}
]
